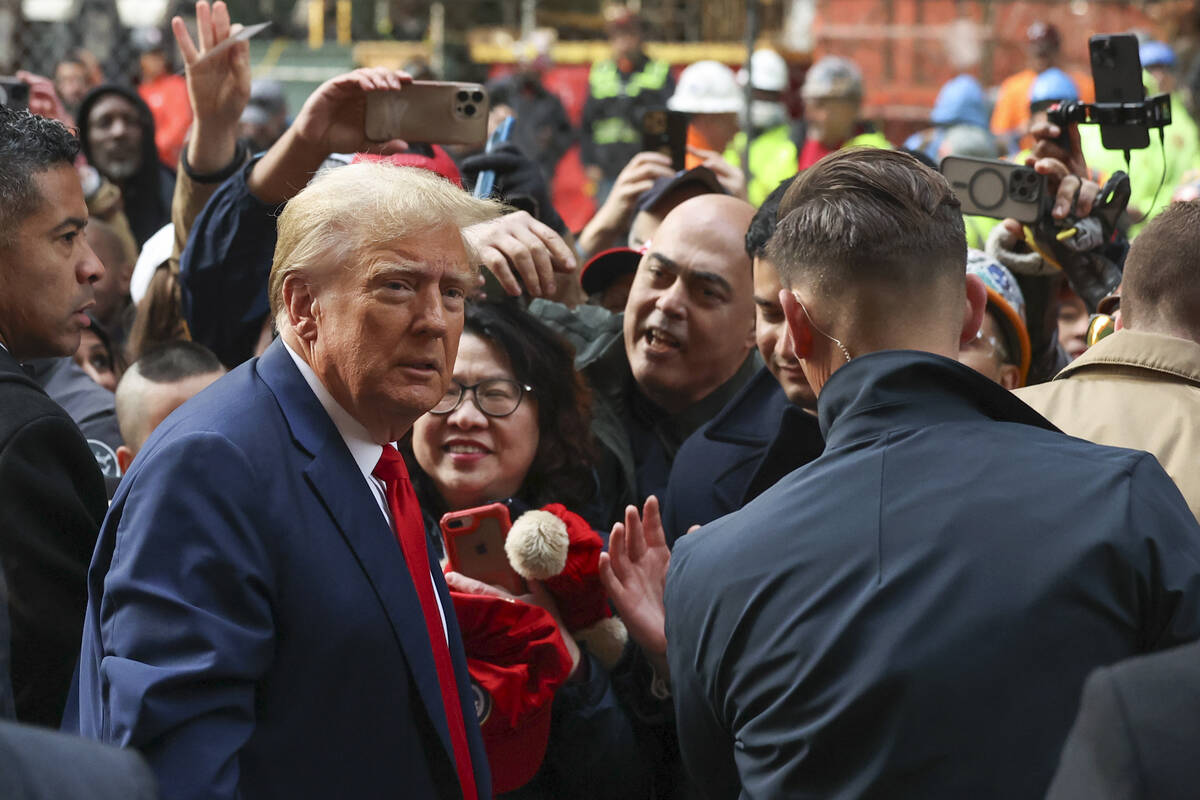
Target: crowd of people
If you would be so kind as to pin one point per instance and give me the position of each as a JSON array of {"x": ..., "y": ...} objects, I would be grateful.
[{"x": 816, "y": 487}]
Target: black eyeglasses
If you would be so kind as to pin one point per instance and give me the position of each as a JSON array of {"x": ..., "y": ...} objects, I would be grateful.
[{"x": 496, "y": 397}]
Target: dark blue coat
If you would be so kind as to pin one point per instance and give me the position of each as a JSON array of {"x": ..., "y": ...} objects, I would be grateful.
[
  {"x": 252, "y": 627},
  {"x": 755, "y": 440},
  {"x": 223, "y": 271},
  {"x": 913, "y": 614}
]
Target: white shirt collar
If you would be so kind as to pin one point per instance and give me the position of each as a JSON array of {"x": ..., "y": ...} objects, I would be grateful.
[{"x": 363, "y": 449}]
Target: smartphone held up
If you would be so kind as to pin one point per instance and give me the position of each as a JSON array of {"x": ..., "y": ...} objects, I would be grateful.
[
  {"x": 474, "y": 541},
  {"x": 430, "y": 112}
]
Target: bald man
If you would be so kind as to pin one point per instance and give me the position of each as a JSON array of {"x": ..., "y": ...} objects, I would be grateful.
[
  {"x": 682, "y": 348},
  {"x": 157, "y": 384}
]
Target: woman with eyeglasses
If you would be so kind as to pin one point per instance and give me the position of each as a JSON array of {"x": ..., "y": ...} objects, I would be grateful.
[{"x": 514, "y": 427}]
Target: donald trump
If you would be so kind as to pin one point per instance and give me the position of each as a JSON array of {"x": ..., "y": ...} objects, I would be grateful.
[{"x": 264, "y": 617}]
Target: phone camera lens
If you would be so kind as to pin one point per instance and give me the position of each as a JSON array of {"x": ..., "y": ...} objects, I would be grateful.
[
  {"x": 477, "y": 97},
  {"x": 469, "y": 110},
  {"x": 463, "y": 96}
]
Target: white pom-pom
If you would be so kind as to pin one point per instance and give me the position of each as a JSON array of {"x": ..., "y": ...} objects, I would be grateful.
[
  {"x": 537, "y": 545},
  {"x": 605, "y": 640}
]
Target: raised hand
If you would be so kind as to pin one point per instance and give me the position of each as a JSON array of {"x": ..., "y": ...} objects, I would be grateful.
[{"x": 634, "y": 573}]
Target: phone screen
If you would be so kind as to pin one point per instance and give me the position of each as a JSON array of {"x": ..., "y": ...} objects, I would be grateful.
[{"x": 665, "y": 132}]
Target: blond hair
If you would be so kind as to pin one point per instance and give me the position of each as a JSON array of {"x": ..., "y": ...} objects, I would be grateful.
[{"x": 345, "y": 210}]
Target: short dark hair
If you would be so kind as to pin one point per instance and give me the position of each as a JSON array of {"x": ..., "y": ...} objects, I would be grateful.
[
  {"x": 28, "y": 144},
  {"x": 765, "y": 219},
  {"x": 176, "y": 361},
  {"x": 865, "y": 214},
  {"x": 1161, "y": 283}
]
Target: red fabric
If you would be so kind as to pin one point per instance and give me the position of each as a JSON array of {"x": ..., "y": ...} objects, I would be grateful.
[
  {"x": 812, "y": 152},
  {"x": 410, "y": 530},
  {"x": 441, "y": 163},
  {"x": 171, "y": 108},
  {"x": 577, "y": 589},
  {"x": 516, "y": 655}
]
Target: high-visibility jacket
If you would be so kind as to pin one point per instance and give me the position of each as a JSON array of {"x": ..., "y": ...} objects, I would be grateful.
[{"x": 611, "y": 132}]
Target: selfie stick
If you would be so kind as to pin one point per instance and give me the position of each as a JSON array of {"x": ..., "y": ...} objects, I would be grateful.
[{"x": 486, "y": 181}]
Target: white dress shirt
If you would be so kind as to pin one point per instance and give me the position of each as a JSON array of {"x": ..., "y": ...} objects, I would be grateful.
[{"x": 363, "y": 449}]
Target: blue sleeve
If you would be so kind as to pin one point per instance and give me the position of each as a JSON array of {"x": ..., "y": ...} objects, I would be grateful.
[
  {"x": 224, "y": 268},
  {"x": 593, "y": 752},
  {"x": 185, "y": 624}
]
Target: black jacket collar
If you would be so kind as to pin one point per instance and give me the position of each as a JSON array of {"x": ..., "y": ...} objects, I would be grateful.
[{"x": 891, "y": 389}]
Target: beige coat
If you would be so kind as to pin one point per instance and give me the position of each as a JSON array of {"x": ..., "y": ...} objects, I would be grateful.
[{"x": 1136, "y": 390}]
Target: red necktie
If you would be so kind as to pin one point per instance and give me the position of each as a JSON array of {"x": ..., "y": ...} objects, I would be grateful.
[{"x": 410, "y": 530}]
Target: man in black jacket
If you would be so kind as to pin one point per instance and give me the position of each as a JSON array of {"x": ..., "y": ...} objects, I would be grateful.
[
  {"x": 767, "y": 430},
  {"x": 913, "y": 613},
  {"x": 52, "y": 496}
]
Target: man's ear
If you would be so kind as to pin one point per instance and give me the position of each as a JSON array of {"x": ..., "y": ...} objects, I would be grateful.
[
  {"x": 974, "y": 307},
  {"x": 300, "y": 304},
  {"x": 124, "y": 458},
  {"x": 799, "y": 326}
]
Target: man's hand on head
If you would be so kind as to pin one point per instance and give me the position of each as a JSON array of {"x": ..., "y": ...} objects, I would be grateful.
[
  {"x": 517, "y": 244},
  {"x": 634, "y": 573}
]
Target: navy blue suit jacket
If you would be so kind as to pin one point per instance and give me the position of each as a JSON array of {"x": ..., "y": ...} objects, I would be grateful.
[{"x": 252, "y": 627}]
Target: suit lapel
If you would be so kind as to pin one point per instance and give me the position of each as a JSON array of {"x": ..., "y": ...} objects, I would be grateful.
[{"x": 337, "y": 481}]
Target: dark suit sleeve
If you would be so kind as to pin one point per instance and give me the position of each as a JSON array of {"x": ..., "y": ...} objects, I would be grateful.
[
  {"x": 186, "y": 621},
  {"x": 705, "y": 743},
  {"x": 39, "y": 764},
  {"x": 51, "y": 503},
  {"x": 224, "y": 268},
  {"x": 1098, "y": 761}
]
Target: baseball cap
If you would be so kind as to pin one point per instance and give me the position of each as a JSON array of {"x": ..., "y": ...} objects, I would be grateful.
[
  {"x": 1005, "y": 296},
  {"x": 437, "y": 160},
  {"x": 517, "y": 661},
  {"x": 661, "y": 187},
  {"x": 608, "y": 265}
]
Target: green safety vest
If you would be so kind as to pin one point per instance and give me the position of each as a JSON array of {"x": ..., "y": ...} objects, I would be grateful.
[
  {"x": 604, "y": 81},
  {"x": 774, "y": 157}
]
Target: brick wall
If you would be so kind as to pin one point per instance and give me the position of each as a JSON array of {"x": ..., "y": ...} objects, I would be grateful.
[{"x": 901, "y": 44}]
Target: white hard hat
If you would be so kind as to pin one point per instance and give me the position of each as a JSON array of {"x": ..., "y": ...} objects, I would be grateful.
[
  {"x": 707, "y": 87},
  {"x": 769, "y": 71}
]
